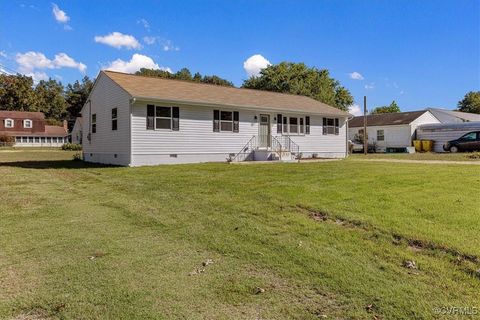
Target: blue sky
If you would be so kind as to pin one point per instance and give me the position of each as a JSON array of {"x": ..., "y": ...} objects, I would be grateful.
[{"x": 419, "y": 53}]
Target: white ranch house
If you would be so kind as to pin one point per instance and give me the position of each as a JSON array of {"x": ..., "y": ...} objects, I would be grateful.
[{"x": 133, "y": 120}]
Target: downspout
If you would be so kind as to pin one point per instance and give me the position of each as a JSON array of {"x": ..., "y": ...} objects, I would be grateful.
[
  {"x": 132, "y": 101},
  {"x": 89, "y": 135},
  {"x": 347, "y": 154}
]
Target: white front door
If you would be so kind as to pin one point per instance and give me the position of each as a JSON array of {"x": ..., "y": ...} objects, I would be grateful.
[{"x": 264, "y": 132}]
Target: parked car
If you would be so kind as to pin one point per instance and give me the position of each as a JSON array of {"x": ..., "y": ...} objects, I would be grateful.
[
  {"x": 357, "y": 146},
  {"x": 467, "y": 142}
]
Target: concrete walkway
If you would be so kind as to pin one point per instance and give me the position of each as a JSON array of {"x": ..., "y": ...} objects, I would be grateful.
[{"x": 472, "y": 162}]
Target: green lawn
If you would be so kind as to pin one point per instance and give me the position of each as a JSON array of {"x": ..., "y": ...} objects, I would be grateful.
[
  {"x": 467, "y": 156},
  {"x": 321, "y": 239}
]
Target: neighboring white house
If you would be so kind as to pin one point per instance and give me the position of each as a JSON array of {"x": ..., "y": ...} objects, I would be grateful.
[
  {"x": 134, "y": 120},
  {"x": 76, "y": 134},
  {"x": 390, "y": 130},
  {"x": 452, "y": 116}
]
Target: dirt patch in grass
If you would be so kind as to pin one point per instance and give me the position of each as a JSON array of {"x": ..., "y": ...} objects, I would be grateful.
[
  {"x": 470, "y": 264},
  {"x": 36, "y": 314}
]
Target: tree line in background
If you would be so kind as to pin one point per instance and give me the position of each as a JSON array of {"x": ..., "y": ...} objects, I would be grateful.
[
  {"x": 392, "y": 108},
  {"x": 19, "y": 93},
  {"x": 285, "y": 77},
  {"x": 58, "y": 102},
  {"x": 470, "y": 103},
  {"x": 184, "y": 74}
]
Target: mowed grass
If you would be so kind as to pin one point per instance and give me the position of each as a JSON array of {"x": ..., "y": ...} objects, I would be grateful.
[
  {"x": 461, "y": 156},
  {"x": 321, "y": 239}
]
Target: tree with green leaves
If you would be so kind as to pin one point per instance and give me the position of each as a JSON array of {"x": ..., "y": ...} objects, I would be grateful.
[
  {"x": 392, "y": 108},
  {"x": 17, "y": 93},
  {"x": 51, "y": 99},
  {"x": 76, "y": 95},
  {"x": 470, "y": 103},
  {"x": 184, "y": 74},
  {"x": 298, "y": 78}
]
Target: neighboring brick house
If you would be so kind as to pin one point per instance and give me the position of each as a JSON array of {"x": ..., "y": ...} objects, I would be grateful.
[{"x": 30, "y": 130}]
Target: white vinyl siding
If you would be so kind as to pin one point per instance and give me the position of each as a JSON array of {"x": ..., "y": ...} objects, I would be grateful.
[
  {"x": 195, "y": 135},
  {"x": 107, "y": 145},
  {"x": 197, "y": 142},
  {"x": 394, "y": 136}
]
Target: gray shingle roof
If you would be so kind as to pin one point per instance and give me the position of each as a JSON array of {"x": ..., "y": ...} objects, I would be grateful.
[
  {"x": 198, "y": 93},
  {"x": 386, "y": 119}
]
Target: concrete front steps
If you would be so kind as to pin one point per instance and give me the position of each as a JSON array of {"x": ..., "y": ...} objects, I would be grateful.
[{"x": 268, "y": 155}]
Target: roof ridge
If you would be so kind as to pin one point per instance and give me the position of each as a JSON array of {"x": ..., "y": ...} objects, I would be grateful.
[{"x": 214, "y": 85}]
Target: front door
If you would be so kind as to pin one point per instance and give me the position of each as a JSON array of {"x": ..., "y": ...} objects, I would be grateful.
[{"x": 264, "y": 132}]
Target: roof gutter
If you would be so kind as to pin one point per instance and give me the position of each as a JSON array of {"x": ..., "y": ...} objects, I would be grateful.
[{"x": 218, "y": 105}]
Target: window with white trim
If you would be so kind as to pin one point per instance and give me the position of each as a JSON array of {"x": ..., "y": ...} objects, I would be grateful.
[
  {"x": 27, "y": 124},
  {"x": 331, "y": 126},
  {"x": 94, "y": 124},
  {"x": 226, "y": 121},
  {"x": 380, "y": 135},
  {"x": 9, "y": 123},
  {"x": 291, "y": 125},
  {"x": 114, "y": 118},
  {"x": 163, "y": 118}
]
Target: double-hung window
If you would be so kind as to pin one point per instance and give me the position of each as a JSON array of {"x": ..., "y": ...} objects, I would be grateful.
[
  {"x": 9, "y": 123},
  {"x": 27, "y": 124},
  {"x": 114, "y": 119},
  {"x": 163, "y": 118},
  {"x": 226, "y": 121},
  {"x": 94, "y": 123},
  {"x": 293, "y": 125},
  {"x": 380, "y": 135},
  {"x": 330, "y": 126}
]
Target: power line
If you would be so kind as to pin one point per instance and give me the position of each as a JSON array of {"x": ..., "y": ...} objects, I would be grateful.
[{"x": 6, "y": 70}]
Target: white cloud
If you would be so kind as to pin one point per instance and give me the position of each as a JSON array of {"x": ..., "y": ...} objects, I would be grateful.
[
  {"x": 30, "y": 61},
  {"x": 254, "y": 64},
  {"x": 4, "y": 71},
  {"x": 356, "y": 76},
  {"x": 149, "y": 40},
  {"x": 355, "y": 110},
  {"x": 62, "y": 60},
  {"x": 119, "y": 40},
  {"x": 37, "y": 76},
  {"x": 167, "y": 45},
  {"x": 60, "y": 15},
  {"x": 370, "y": 86},
  {"x": 3, "y": 54},
  {"x": 137, "y": 62},
  {"x": 145, "y": 23}
]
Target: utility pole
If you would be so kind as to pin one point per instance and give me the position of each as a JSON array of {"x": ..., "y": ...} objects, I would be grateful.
[{"x": 365, "y": 137}]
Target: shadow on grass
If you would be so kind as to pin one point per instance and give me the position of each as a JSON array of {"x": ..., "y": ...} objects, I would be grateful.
[{"x": 54, "y": 164}]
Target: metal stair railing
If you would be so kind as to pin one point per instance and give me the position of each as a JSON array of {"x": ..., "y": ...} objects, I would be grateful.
[
  {"x": 277, "y": 147},
  {"x": 246, "y": 151},
  {"x": 287, "y": 144}
]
